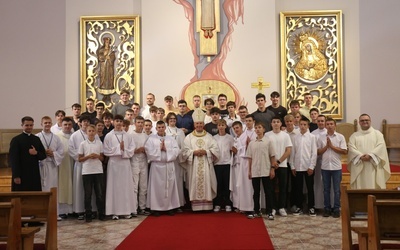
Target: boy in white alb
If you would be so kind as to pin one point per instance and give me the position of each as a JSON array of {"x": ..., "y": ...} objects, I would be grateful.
[
  {"x": 91, "y": 155},
  {"x": 261, "y": 154},
  {"x": 139, "y": 165},
  {"x": 119, "y": 147},
  {"x": 75, "y": 141},
  {"x": 162, "y": 151},
  {"x": 283, "y": 146},
  {"x": 222, "y": 167},
  {"x": 54, "y": 152},
  {"x": 240, "y": 185}
]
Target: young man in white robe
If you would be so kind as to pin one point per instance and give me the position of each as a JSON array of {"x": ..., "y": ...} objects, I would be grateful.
[
  {"x": 119, "y": 147},
  {"x": 179, "y": 136},
  {"x": 243, "y": 197},
  {"x": 162, "y": 151},
  {"x": 368, "y": 159},
  {"x": 77, "y": 183},
  {"x": 139, "y": 164},
  {"x": 54, "y": 152},
  {"x": 65, "y": 171},
  {"x": 57, "y": 127},
  {"x": 199, "y": 152}
]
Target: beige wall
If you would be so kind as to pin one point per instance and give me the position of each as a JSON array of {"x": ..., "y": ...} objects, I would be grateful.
[{"x": 40, "y": 69}]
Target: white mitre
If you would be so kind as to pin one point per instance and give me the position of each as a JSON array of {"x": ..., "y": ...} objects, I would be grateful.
[{"x": 198, "y": 115}]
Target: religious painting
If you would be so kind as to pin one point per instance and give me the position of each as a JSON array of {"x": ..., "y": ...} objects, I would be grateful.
[
  {"x": 210, "y": 35},
  {"x": 311, "y": 59},
  {"x": 110, "y": 58}
]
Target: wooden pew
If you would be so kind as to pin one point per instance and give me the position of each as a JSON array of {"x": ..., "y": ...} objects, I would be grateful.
[
  {"x": 383, "y": 221},
  {"x": 10, "y": 223},
  {"x": 10, "y": 227},
  {"x": 354, "y": 201},
  {"x": 38, "y": 207}
]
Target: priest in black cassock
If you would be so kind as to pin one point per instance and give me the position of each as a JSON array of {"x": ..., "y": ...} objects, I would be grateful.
[{"x": 26, "y": 150}]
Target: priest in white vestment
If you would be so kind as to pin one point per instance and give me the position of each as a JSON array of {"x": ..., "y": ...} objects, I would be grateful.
[
  {"x": 368, "y": 159},
  {"x": 65, "y": 170},
  {"x": 199, "y": 152},
  {"x": 162, "y": 192},
  {"x": 119, "y": 147}
]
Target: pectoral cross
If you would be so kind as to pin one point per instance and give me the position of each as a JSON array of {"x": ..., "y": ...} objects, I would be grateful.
[{"x": 260, "y": 84}]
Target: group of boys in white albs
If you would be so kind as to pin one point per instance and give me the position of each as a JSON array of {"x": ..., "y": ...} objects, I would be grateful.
[{"x": 224, "y": 158}]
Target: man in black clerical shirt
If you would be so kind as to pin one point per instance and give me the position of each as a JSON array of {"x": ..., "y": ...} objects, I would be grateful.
[{"x": 26, "y": 150}]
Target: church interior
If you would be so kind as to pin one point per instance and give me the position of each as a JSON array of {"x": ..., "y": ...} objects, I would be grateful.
[{"x": 42, "y": 73}]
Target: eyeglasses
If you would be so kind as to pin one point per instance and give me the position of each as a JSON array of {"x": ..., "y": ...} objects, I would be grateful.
[{"x": 365, "y": 120}]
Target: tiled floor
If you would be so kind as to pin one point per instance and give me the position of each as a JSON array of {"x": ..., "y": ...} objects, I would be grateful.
[{"x": 292, "y": 232}]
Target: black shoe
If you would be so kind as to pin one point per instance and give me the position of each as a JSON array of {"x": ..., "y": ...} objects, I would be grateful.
[
  {"x": 156, "y": 214},
  {"x": 88, "y": 219},
  {"x": 102, "y": 217},
  {"x": 143, "y": 212},
  {"x": 63, "y": 216},
  {"x": 327, "y": 213},
  {"x": 336, "y": 214},
  {"x": 171, "y": 213}
]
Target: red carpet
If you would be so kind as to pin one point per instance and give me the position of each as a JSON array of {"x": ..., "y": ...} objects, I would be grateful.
[{"x": 199, "y": 231}]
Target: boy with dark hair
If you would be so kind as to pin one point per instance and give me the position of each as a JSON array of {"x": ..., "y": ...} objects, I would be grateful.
[
  {"x": 184, "y": 119},
  {"x": 314, "y": 112},
  {"x": 212, "y": 127},
  {"x": 169, "y": 105},
  {"x": 232, "y": 117},
  {"x": 208, "y": 104},
  {"x": 275, "y": 107},
  {"x": 108, "y": 126},
  {"x": 119, "y": 147},
  {"x": 148, "y": 127},
  {"x": 100, "y": 109},
  {"x": 76, "y": 112},
  {"x": 56, "y": 128},
  {"x": 90, "y": 111},
  {"x": 262, "y": 114},
  {"x": 261, "y": 154},
  {"x": 222, "y": 99}
]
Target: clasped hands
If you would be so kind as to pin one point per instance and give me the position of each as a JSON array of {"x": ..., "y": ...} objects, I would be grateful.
[{"x": 199, "y": 152}]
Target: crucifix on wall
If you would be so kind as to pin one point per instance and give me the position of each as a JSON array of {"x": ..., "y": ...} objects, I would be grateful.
[{"x": 260, "y": 84}]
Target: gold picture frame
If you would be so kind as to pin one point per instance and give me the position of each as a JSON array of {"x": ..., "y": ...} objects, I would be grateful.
[
  {"x": 311, "y": 59},
  {"x": 110, "y": 58}
]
